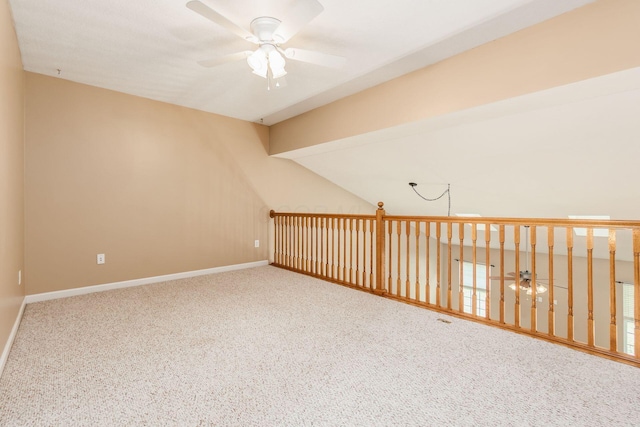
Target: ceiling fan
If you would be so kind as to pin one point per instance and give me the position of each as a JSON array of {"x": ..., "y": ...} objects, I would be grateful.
[
  {"x": 523, "y": 279},
  {"x": 270, "y": 34}
]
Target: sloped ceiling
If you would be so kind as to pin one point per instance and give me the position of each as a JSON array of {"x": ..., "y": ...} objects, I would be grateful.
[{"x": 570, "y": 150}]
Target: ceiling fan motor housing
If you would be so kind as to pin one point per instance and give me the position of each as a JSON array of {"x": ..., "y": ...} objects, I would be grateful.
[{"x": 264, "y": 27}]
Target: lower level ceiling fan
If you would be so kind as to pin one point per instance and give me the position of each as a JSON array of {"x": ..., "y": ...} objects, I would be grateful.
[{"x": 524, "y": 278}]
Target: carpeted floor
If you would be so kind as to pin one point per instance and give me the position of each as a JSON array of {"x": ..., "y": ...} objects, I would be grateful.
[{"x": 267, "y": 347}]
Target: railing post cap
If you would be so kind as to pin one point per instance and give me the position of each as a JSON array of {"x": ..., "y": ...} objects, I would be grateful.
[
  {"x": 380, "y": 205},
  {"x": 272, "y": 213}
]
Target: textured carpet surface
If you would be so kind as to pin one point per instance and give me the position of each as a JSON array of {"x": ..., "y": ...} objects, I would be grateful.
[{"x": 267, "y": 347}]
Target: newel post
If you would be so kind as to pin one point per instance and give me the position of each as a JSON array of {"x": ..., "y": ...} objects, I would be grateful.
[{"x": 380, "y": 250}]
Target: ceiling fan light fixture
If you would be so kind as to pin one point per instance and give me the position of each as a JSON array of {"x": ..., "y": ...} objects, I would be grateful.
[
  {"x": 277, "y": 63},
  {"x": 539, "y": 290},
  {"x": 258, "y": 63}
]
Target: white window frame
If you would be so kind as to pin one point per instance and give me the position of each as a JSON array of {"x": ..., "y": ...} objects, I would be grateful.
[
  {"x": 628, "y": 320},
  {"x": 481, "y": 288}
]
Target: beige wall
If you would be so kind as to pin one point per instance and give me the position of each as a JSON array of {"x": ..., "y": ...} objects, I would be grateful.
[
  {"x": 11, "y": 174},
  {"x": 157, "y": 188},
  {"x": 591, "y": 41}
]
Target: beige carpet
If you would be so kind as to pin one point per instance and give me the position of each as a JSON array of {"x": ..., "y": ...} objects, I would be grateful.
[{"x": 267, "y": 347}]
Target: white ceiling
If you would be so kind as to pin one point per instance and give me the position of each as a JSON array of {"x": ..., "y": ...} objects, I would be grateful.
[{"x": 150, "y": 48}]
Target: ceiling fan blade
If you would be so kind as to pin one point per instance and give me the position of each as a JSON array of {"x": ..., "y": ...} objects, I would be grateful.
[
  {"x": 302, "y": 12},
  {"x": 213, "y": 62},
  {"x": 318, "y": 58},
  {"x": 206, "y": 12}
]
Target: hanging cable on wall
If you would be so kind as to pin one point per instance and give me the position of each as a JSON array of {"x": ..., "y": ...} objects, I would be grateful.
[{"x": 447, "y": 192}]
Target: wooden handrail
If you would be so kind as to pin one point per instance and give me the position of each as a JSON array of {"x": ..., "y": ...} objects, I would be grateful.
[{"x": 393, "y": 256}]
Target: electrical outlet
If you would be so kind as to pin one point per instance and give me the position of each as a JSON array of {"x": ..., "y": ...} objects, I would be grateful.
[
  {"x": 100, "y": 258},
  {"x": 555, "y": 302},
  {"x": 539, "y": 299},
  {"x": 19, "y": 277},
  {"x": 256, "y": 244}
]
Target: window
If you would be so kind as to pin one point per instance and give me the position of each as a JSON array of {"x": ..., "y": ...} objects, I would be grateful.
[
  {"x": 481, "y": 288},
  {"x": 627, "y": 318}
]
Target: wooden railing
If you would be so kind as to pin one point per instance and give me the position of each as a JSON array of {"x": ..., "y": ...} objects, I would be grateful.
[{"x": 583, "y": 290}]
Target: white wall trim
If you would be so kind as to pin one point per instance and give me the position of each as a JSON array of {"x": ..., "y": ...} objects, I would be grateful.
[
  {"x": 12, "y": 336},
  {"x": 138, "y": 282}
]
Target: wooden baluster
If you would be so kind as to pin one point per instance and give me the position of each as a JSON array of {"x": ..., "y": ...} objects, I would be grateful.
[
  {"x": 290, "y": 249},
  {"x": 636, "y": 290},
  {"x": 309, "y": 235},
  {"x": 502, "y": 304},
  {"x": 407, "y": 226},
  {"x": 309, "y": 250},
  {"x": 344, "y": 250},
  {"x": 590, "y": 324},
  {"x": 298, "y": 233},
  {"x": 357, "y": 252},
  {"x": 427, "y": 290},
  {"x": 449, "y": 290},
  {"x": 438, "y": 250},
  {"x": 285, "y": 247},
  {"x": 316, "y": 268},
  {"x": 302, "y": 221},
  {"x": 534, "y": 285},
  {"x": 292, "y": 242},
  {"x": 319, "y": 246},
  {"x": 303, "y": 236},
  {"x": 570, "y": 283},
  {"x": 334, "y": 225},
  {"x": 309, "y": 244},
  {"x": 474, "y": 297},
  {"x": 364, "y": 253},
  {"x": 283, "y": 241},
  {"x": 325, "y": 242},
  {"x": 335, "y": 250},
  {"x": 380, "y": 250},
  {"x": 398, "y": 280},
  {"x": 551, "y": 313},
  {"x": 417, "y": 261},
  {"x": 276, "y": 237},
  {"x": 613, "y": 328},
  {"x": 371, "y": 254},
  {"x": 390, "y": 283},
  {"x": 350, "y": 281},
  {"x": 461, "y": 269},
  {"x": 329, "y": 251},
  {"x": 516, "y": 313},
  {"x": 283, "y": 230},
  {"x": 347, "y": 230},
  {"x": 487, "y": 251},
  {"x": 340, "y": 263}
]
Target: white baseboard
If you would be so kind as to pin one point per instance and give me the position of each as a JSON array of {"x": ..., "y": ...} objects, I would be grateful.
[
  {"x": 12, "y": 336},
  {"x": 138, "y": 282}
]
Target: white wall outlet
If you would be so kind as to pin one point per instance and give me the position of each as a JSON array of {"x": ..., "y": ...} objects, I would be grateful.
[
  {"x": 555, "y": 302},
  {"x": 539, "y": 299},
  {"x": 100, "y": 258},
  {"x": 256, "y": 244},
  {"x": 19, "y": 277}
]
